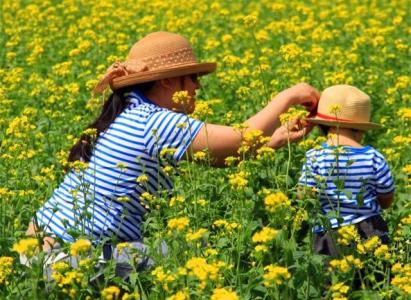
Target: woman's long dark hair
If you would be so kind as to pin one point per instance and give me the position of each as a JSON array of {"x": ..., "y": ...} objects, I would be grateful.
[{"x": 113, "y": 106}]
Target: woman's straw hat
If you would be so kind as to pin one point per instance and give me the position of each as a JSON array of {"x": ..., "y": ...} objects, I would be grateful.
[
  {"x": 344, "y": 106},
  {"x": 157, "y": 56}
]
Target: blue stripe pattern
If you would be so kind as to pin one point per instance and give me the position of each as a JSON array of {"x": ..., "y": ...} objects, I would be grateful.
[
  {"x": 88, "y": 202},
  {"x": 360, "y": 173}
]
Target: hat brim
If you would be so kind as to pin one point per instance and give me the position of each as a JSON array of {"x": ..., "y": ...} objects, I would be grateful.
[
  {"x": 344, "y": 124},
  {"x": 147, "y": 76}
]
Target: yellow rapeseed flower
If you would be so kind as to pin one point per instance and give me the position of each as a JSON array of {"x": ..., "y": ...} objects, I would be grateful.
[
  {"x": 339, "y": 290},
  {"x": 28, "y": 247},
  {"x": 402, "y": 278},
  {"x": 275, "y": 275},
  {"x": 238, "y": 180},
  {"x": 266, "y": 235},
  {"x": 335, "y": 109},
  {"x": 6, "y": 268},
  {"x": 347, "y": 235},
  {"x": 110, "y": 293},
  {"x": 345, "y": 264},
  {"x": 142, "y": 179},
  {"x": 194, "y": 236},
  {"x": 223, "y": 294},
  {"x": 80, "y": 246},
  {"x": 383, "y": 252},
  {"x": 180, "y": 295},
  {"x": 274, "y": 201},
  {"x": 181, "y": 97},
  {"x": 369, "y": 245},
  {"x": 178, "y": 224}
]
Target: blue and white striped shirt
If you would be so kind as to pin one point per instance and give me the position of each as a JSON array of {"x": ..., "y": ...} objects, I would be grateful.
[
  {"x": 92, "y": 201},
  {"x": 359, "y": 175}
]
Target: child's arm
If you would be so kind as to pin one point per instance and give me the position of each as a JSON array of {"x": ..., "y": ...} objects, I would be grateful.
[
  {"x": 306, "y": 182},
  {"x": 384, "y": 184},
  {"x": 385, "y": 200}
]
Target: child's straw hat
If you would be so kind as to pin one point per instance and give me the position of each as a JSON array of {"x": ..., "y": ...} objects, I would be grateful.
[
  {"x": 344, "y": 106},
  {"x": 157, "y": 56}
]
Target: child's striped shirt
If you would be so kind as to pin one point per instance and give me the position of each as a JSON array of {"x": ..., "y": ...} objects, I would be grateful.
[{"x": 349, "y": 185}]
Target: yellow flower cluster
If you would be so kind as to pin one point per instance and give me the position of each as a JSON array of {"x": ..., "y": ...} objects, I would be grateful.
[
  {"x": 312, "y": 143},
  {"x": 122, "y": 246},
  {"x": 229, "y": 226},
  {"x": 292, "y": 114},
  {"x": 404, "y": 113},
  {"x": 252, "y": 141},
  {"x": 265, "y": 152},
  {"x": 238, "y": 180},
  {"x": 266, "y": 235},
  {"x": 200, "y": 156},
  {"x": 275, "y": 275},
  {"x": 202, "y": 110},
  {"x": 28, "y": 247},
  {"x": 167, "y": 152},
  {"x": 19, "y": 127},
  {"x": 204, "y": 271},
  {"x": 68, "y": 280},
  {"x": 299, "y": 217},
  {"x": 290, "y": 51},
  {"x": 110, "y": 293},
  {"x": 147, "y": 199},
  {"x": 142, "y": 179},
  {"x": 163, "y": 277},
  {"x": 335, "y": 109},
  {"x": 78, "y": 166},
  {"x": 176, "y": 200},
  {"x": 181, "y": 97},
  {"x": 383, "y": 252},
  {"x": 368, "y": 245},
  {"x": 403, "y": 228},
  {"x": 402, "y": 278},
  {"x": 345, "y": 264},
  {"x": 347, "y": 235},
  {"x": 180, "y": 295},
  {"x": 178, "y": 224},
  {"x": 339, "y": 291},
  {"x": 223, "y": 294},
  {"x": 80, "y": 246},
  {"x": 6, "y": 268},
  {"x": 194, "y": 236},
  {"x": 274, "y": 201}
]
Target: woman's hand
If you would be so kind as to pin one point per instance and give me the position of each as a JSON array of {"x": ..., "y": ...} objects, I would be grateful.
[
  {"x": 293, "y": 131},
  {"x": 303, "y": 94}
]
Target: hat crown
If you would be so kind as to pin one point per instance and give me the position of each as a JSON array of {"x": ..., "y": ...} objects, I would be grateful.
[
  {"x": 354, "y": 105},
  {"x": 162, "y": 49}
]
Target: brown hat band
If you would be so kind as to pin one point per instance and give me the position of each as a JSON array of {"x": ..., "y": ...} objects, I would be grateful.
[{"x": 151, "y": 63}]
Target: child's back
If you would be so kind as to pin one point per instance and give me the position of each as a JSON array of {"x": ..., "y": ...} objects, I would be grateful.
[
  {"x": 348, "y": 180},
  {"x": 353, "y": 182}
]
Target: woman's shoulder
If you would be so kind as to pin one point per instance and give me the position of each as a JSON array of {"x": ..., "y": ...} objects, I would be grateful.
[{"x": 142, "y": 110}]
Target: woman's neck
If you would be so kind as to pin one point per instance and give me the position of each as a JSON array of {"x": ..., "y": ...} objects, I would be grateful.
[{"x": 344, "y": 137}]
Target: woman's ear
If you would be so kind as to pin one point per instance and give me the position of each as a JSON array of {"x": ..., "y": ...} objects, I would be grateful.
[{"x": 167, "y": 83}]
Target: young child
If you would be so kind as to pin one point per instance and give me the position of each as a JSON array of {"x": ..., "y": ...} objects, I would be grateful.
[{"x": 353, "y": 182}]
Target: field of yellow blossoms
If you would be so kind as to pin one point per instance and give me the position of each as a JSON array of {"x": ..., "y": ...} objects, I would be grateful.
[{"x": 232, "y": 233}]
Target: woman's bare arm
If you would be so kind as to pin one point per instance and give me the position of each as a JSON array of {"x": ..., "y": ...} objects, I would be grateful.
[{"x": 223, "y": 141}]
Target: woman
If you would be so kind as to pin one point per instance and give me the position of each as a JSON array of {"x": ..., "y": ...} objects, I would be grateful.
[{"x": 124, "y": 147}]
